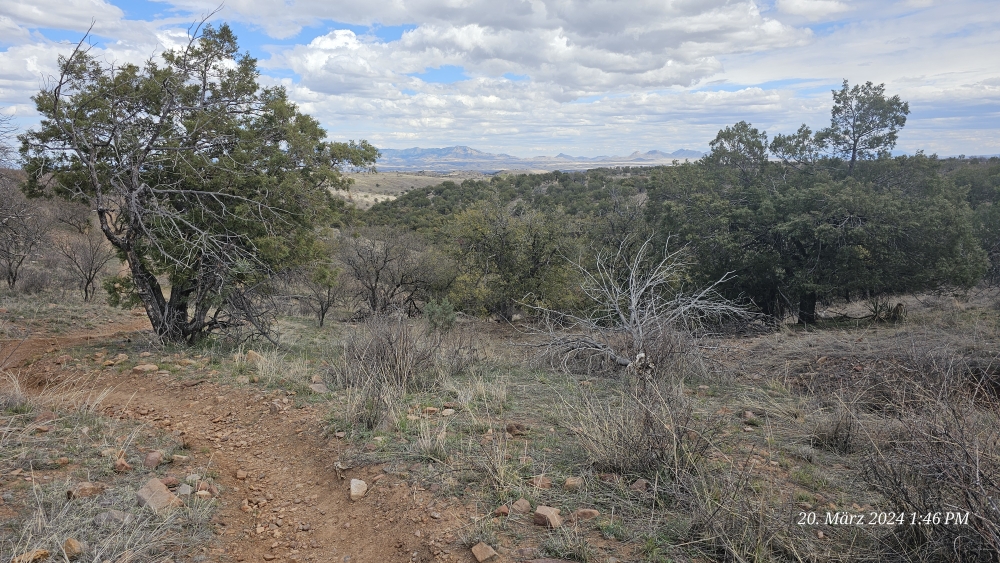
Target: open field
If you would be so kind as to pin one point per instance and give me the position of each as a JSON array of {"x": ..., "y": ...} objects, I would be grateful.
[
  {"x": 724, "y": 456},
  {"x": 369, "y": 189}
]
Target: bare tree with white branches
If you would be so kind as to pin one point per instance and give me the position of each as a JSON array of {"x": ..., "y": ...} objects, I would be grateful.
[{"x": 638, "y": 305}]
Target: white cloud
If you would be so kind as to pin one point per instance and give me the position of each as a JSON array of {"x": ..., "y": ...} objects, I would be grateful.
[
  {"x": 812, "y": 9},
  {"x": 601, "y": 76}
]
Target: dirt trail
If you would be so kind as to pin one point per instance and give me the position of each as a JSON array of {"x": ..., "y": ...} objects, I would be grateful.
[{"x": 282, "y": 498}]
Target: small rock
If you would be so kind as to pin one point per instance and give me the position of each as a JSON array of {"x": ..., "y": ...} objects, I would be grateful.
[
  {"x": 204, "y": 495},
  {"x": 145, "y": 368},
  {"x": 153, "y": 459},
  {"x": 819, "y": 534},
  {"x": 319, "y": 388},
  {"x": 748, "y": 415},
  {"x": 430, "y": 410},
  {"x": 483, "y": 552},
  {"x": 640, "y": 485},
  {"x": 122, "y": 466},
  {"x": 73, "y": 548},
  {"x": 185, "y": 490},
  {"x": 112, "y": 517},
  {"x": 45, "y": 416},
  {"x": 108, "y": 363},
  {"x": 270, "y": 557},
  {"x": 253, "y": 357},
  {"x": 503, "y": 510},
  {"x": 541, "y": 482},
  {"x": 242, "y": 380},
  {"x": 84, "y": 490},
  {"x": 517, "y": 429},
  {"x": 120, "y": 358},
  {"x": 573, "y": 483},
  {"x": 449, "y": 412},
  {"x": 275, "y": 407},
  {"x": 170, "y": 482},
  {"x": 193, "y": 478},
  {"x": 585, "y": 514},
  {"x": 31, "y": 556},
  {"x": 547, "y": 516},
  {"x": 156, "y": 496},
  {"x": 63, "y": 461},
  {"x": 521, "y": 506},
  {"x": 180, "y": 458},
  {"x": 240, "y": 474},
  {"x": 145, "y": 354},
  {"x": 358, "y": 489}
]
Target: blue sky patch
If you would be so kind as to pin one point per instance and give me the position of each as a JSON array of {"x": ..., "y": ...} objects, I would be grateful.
[{"x": 445, "y": 74}]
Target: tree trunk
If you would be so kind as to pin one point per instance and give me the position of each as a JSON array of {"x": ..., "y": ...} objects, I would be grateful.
[
  {"x": 807, "y": 308},
  {"x": 166, "y": 321}
]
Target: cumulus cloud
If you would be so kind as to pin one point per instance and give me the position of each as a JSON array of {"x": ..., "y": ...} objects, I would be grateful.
[
  {"x": 812, "y": 9},
  {"x": 577, "y": 76}
]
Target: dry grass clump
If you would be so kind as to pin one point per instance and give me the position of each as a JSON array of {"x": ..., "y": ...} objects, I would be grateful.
[
  {"x": 947, "y": 462},
  {"x": 643, "y": 429}
]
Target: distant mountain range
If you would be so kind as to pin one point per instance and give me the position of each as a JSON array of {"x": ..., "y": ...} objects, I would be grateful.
[{"x": 465, "y": 158}]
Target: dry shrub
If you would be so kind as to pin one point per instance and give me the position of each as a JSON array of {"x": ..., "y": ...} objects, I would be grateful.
[
  {"x": 947, "y": 463},
  {"x": 646, "y": 428},
  {"x": 387, "y": 357},
  {"x": 386, "y": 350}
]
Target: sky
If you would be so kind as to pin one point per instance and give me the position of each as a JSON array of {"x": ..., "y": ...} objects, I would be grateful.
[{"x": 540, "y": 77}]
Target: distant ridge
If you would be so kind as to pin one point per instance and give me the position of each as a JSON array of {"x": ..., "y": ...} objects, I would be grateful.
[{"x": 466, "y": 158}]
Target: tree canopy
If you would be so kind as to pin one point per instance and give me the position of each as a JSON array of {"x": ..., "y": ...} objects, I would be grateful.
[{"x": 196, "y": 172}]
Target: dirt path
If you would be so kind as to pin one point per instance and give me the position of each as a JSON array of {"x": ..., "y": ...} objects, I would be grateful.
[{"x": 282, "y": 497}]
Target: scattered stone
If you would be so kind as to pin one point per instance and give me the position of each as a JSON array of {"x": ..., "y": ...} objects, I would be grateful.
[
  {"x": 319, "y": 388},
  {"x": 241, "y": 475},
  {"x": 253, "y": 357},
  {"x": 547, "y": 516},
  {"x": 193, "y": 478},
  {"x": 153, "y": 459},
  {"x": 73, "y": 548},
  {"x": 585, "y": 514},
  {"x": 145, "y": 354},
  {"x": 63, "y": 461},
  {"x": 45, "y": 416},
  {"x": 517, "y": 429},
  {"x": 483, "y": 552},
  {"x": 521, "y": 506},
  {"x": 358, "y": 489},
  {"x": 819, "y": 534},
  {"x": 573, "y": 483},
  {"x": 748, "y": 415},
  {"x": 31, "y": 556},
  {"x": 122, "y": 466},
  {"x": 540, "y": 482},
  {"x": 275, "y": 407},
  {"x": 185, "y": 490},
  {"x": 430, "y": 410},
  {"x": 270, "y": 557},
  {"x": 204, "y": 495},
  {"x": 112, "y": 517},
  {"x": 157, "y": 497},
  {"x": 84, "y": 490},
  {"x": 448, "y": 412},
  {"x": 640, "y": 486},
  {"x": 120, "y": 358},
  {"x": 242, "y": 380},
  {"x": 145, "y": 368},
  {"x": 503, "y": 510},
  {"x": 108, "y": 363},
  {"x": 170, "y": 482}
]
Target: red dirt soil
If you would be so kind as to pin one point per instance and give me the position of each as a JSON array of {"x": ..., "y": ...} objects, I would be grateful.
[{"x": 288, "y": 461}]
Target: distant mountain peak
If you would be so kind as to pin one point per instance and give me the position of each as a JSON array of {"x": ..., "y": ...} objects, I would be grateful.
[{"x": 462, "y": 157}]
